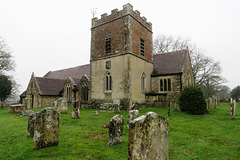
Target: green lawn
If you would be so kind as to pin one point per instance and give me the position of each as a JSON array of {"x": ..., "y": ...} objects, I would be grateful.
[{"x": 211, "y": 136}]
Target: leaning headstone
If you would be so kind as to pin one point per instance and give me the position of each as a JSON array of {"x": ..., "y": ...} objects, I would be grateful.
[
  {"x": 62, "y": 106},
  {"x": 115, "y": 130},
  {"x": 148, "y": 137},
  {"x": 46, "y": 128},
  {"x": 116, "y": 108},
  {"x": 75, "y": 113},
  {"x": 31, "y": 121},
  {"x": 133, "y": 114},
  {"x": 233, "y": 109}
]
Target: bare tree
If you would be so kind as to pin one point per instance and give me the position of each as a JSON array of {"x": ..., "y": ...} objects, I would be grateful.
[
  {"x": 206, "y": 71},
  {"x": 224, "y": 93},
  {"x": 6, "y": 59},
  {"x": 7, "y": 65}
]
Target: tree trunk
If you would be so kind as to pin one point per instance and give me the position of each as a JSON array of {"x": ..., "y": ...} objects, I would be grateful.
[{"x": 1, "y": 106}]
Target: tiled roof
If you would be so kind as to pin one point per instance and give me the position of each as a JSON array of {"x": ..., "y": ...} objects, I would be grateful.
[
  {"x": 169, "y": 63},
  {"x": 50, "y": 86},
  {"x": 74, "y": 72}
]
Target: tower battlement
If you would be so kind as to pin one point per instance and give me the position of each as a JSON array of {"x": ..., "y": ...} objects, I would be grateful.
[{"x": 115, "y": 14}]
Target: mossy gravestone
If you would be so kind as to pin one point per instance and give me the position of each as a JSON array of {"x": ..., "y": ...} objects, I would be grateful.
[
  {"x": 115, "y": 130},
  {"x": 148, "y": 137},
  {"x": 31, "y": 121},
  {"x": 46, "y": 128}
]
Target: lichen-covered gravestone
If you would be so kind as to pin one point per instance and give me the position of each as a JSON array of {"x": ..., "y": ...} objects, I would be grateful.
[
  {"x": 133, "y": 114},
  {"x": 46, "y": 128},
  {"x": 115, "y": 130},
  {"x": 31, "y": 121},
  {"x": 148, "y": 137},
  {"x": 75, "y": 113}
]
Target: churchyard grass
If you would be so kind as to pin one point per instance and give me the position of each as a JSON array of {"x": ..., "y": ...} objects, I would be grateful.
[{"x": 210, "y": 136}]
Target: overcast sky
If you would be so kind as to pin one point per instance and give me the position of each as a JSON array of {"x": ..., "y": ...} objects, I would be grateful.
[{"x": 48, "y": 35}]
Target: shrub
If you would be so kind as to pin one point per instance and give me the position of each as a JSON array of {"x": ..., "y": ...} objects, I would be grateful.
[{"x": 192, "y": 100}]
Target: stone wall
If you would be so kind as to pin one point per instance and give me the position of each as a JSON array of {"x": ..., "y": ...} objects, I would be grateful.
[{"x": 126, "y": 78}]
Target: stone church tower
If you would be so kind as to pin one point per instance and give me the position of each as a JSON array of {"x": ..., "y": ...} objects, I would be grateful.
[{"x": 121, "y": 59}]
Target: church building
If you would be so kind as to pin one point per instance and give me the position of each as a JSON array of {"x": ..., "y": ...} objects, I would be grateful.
[{"x": 122, "y": 68}]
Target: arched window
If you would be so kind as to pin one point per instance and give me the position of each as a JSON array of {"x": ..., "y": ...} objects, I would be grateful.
[
  {"x": 69, "y": 92},
  {"x": 84, "y": 92},
  {"x": 108, "y": 81},
  {"x": 143, "y": 82}
]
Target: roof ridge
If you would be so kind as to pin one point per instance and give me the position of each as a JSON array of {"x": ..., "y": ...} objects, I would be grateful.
[
  {"x": 69, "y": 68},
  {"x": 50, "y": 78},
  {"x": 177, "y": 51}
]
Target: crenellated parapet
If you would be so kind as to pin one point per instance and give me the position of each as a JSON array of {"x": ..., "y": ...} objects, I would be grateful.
[{"x": 115, "y": 14}]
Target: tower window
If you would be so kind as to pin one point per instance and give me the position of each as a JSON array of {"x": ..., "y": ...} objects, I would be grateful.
[
  {"x": 143, "y": 82},
  {"x": 108, "y": 82},
  {"x": 142, "y": 48},
  {"x": 108, "y": 45}
]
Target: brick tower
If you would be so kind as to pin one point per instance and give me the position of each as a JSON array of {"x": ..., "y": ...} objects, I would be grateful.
[{"x": 121, "y": 59}]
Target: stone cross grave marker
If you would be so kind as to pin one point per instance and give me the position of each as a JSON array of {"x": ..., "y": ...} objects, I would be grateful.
[
  {"x": 115, "y": 130},
  {"x": 46, "y": 128},
  {"x": 148, "y": 137}
]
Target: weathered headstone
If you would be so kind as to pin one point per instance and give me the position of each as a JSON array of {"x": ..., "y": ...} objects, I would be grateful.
[
  {"x": 62, "y": 106},
  {"x": 210, "y": 103},
  {"x": 233, "y": 109},
  {"x": 75, "y": 113},
  {"x": 133, "y": 114},
  {"x": 115, "y": 130},
  {"x": 27, "y": 112},
  {"x": 148, "y": 137},
  {"x": 96, "y": 113},
  {"x": 116, "y": 108},
  {"x": 55, "y": 103},
  {"x": 31, "y": 121},
  {"x": 46, "y": 128}
]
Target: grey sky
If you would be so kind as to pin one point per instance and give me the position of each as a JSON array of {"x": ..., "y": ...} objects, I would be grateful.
[{"x": 49, "y": 35}]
